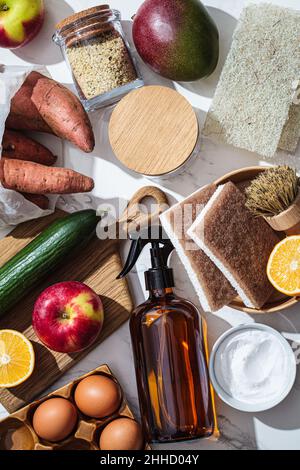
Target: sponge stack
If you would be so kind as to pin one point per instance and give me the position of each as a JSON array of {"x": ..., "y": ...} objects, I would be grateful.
[
  {"x": 223, "y": 247},
  {"x": 213, "y": 289},
  {"x": 238, "y": 243}
]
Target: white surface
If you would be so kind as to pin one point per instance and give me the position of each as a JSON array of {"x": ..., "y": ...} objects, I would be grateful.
[
  {"x": 275, "y": 429},
  {"x": 252, "y": 367}
]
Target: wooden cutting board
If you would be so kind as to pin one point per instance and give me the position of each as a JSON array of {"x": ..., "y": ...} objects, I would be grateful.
[{"x": 98, "y": 266}]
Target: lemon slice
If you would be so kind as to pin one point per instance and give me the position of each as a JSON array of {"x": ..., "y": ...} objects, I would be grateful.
[
  {"x": 16, "y": 358},
  {"x": 284, "y": 266}
]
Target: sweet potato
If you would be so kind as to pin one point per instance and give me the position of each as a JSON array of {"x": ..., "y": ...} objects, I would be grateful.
[
  {"x": 23, "y": 113},
  {"x": 17, "y": 146},
  {"x": 51, "y": 107},
  {"x": 38, "y": 199},
  {"x": 33, "y": 178},
  {"x": 63, "y": 112}
]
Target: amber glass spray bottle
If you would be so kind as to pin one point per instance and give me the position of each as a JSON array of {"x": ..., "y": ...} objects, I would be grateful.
[{"x": 170, "y": 355}]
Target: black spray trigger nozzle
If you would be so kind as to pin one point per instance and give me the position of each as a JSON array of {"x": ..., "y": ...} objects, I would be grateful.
[
  {"x": 136, "y": 249},
  {"x": 159, "y": 254}
]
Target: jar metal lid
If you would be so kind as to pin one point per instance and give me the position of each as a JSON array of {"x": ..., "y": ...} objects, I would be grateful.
[{"x": 153, "y": 131}]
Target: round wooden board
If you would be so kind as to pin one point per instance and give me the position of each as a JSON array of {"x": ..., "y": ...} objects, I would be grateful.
[
  {"x": 153, "y": 130},
  {"x": 280, "y": 302}
]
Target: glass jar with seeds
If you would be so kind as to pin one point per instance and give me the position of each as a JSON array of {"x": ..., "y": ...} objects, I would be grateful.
[{"x": 94, "y": 46}]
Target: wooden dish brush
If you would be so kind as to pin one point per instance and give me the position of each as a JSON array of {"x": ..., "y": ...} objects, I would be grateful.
[{"x": 275, "y": 195}]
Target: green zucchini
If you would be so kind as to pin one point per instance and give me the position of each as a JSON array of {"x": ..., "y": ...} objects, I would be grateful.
[{"x": 43, "y": 255}]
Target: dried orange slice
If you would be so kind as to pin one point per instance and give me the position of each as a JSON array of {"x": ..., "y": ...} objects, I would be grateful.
[
  {"x": 284, "y": 266},
  {"x": 16, "y": 358}
]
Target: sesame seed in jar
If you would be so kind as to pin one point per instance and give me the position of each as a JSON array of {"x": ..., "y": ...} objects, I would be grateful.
[{"x": 101, "y": 64}]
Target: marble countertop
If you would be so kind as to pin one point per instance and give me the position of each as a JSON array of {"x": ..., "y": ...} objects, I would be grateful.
[{"x": 278, "y": 428}]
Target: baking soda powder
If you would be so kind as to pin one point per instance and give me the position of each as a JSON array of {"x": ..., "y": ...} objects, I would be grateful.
[{"x": 251, "y": 366}]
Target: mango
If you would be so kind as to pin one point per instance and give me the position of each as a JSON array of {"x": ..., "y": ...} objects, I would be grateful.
[{"x": 177, "y": 38}]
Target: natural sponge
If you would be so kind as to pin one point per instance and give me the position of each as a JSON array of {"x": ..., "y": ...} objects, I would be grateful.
[
  {"x": 257, "y": 86},
  {"x": 213, "y": 289},
  {"x": 237, "y": 242}
]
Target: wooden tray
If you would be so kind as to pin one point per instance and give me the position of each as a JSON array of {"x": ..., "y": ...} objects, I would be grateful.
[
  {"x": 279, "y": 301},
  {"x": 97, "y": 266}
]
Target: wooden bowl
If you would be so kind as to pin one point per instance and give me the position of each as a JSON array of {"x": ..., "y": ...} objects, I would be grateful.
[{"x": 278, "y": 302}]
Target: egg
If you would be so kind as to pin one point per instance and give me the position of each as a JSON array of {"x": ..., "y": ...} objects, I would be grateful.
[
  {"x": 98, "y": 396},
  {"x": 54, "y": 419},
  {"x": 122, "y": 434}
]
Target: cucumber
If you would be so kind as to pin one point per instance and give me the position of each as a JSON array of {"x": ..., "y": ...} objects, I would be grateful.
[{"x": 43, "y": 255}]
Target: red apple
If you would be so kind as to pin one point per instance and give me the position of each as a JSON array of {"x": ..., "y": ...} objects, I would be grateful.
[
  {"x": 20, "y": 21},
  {"x": 68, "y": 317}
]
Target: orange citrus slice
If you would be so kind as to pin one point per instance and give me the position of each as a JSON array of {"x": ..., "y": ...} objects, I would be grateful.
[
  {"x": 16, "y": 358},
  {"x": 284, "y": 266}
]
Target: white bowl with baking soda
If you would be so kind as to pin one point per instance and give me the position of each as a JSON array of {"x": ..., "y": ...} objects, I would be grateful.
[{"x": 252, "y": 368}]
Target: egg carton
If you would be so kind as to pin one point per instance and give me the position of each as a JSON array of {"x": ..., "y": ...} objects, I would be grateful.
[{"x": 17, "y": 433}]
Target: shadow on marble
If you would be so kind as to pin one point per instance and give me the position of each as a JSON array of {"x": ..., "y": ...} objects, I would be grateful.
[
  {"x": 213, "y": 161},
  {"x": 282, "y": 158},
  {"x": 226, "y": 26},
  {"x": 285, "y": 416},
  {"x": 236, "y": 431},
  {"x": 42, "y": 50},
  {"x": 232, "y": 436}
]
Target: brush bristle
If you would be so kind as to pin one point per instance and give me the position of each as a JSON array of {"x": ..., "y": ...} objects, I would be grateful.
[{"x": 273, "y": 191}]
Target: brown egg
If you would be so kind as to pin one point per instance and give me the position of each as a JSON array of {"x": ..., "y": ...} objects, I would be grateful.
[
  {"x": 54, "y": 419},
  {"x": 98, "y": 396},
  {"x": 122, "y": 434}
]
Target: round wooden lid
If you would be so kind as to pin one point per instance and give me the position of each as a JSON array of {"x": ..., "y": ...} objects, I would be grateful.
[{"x": 153, "y": 130}]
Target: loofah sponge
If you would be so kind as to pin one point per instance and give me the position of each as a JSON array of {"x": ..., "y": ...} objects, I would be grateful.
[{"x": 256, "y": 89}]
